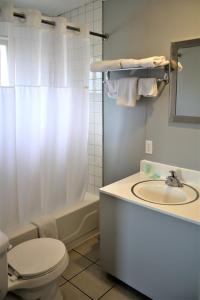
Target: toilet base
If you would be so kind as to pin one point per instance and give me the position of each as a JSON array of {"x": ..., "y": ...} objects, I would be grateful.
[{"x": 50, "y": 291}]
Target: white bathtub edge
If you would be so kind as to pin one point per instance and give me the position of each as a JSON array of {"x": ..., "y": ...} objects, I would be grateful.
[{"x": 75, "y": 224}]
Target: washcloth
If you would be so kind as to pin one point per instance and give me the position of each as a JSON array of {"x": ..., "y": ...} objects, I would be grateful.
[
  {"x": 176, "y": 65},
  {"x": 147, "y": 87},
  {"x": 105, "y": 65},
  {"x": 149, "y": 62},
  {"x": 111, "y": 88},
  {"x": 46, "y": 227},
  {"x": 180, "y": 67}
]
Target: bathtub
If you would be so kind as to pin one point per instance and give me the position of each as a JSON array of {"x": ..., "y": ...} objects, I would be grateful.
[{"x": 75, "y": 224}]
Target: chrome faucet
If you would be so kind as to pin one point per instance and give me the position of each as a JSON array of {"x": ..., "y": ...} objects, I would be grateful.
[{"x": 173, "y": 180}]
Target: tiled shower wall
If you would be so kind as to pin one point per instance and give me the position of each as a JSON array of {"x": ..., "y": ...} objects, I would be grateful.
[{"x": 91, "y": 14}]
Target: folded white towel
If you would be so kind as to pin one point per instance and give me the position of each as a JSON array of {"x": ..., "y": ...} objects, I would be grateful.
[
  {"x": 147, "y": 87},
  {"x": 124, "y": 90},
  {"x": 46, "y": 226},
  {"x": 105, "y": 65},
  {"x": 149, "y": 62},
  {"x": 127, "y": 93}
]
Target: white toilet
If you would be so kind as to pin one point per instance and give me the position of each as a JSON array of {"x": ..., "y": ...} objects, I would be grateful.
[{"x": 31, "y": 269}]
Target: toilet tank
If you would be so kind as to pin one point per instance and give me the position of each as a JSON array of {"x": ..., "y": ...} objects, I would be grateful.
[{"x": 3, "y": 265}]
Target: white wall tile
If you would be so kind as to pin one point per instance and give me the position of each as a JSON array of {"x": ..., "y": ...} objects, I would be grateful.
[
  {"x": 91, "y": 188},
  {"x": 98, "y": 171},
  {"x": 92, "y": 129},
  {"x": 98, "y": 150},
  {"x": 92, "y": 95},
  {"x": 98, "y": 96},
  {"x": 98, "y": 129},
  {"x": 98, "y": 118},
  {"x": 92, "y": 107},
  {"x": 91, "y": 170},
  {"x": 91, "y": 150},
  {"x": 92, "y": 180},
  {"x": 98, "y": 140},
  {"x": 97, "y": 4},
  {"x": 96, "y": 190},
  {"x": 98, "y": 107},
  {"x": 91, "y": 160},
  {"x": 91, "y": 139},
  {"x": 97, "y": 14},
  {"x": 92, "y": 118},
  {"x": 98, "y": 161},
  {"x": 98, "y": 181},
  {"x": 91, "y": 14}
]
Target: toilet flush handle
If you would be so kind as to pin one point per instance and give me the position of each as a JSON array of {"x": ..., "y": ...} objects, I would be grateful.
[{"x": 10, "y": 247}]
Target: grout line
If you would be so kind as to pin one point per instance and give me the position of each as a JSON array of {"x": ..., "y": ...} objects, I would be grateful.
[
  {"x": 64, "y": 282},
  {"x": 78, "y": 272},
  {"x": 97, "y": 264},
  {"x": 94, "y": 262},
  {"x": 106, "y": 292},
  {"x": 80, "y": 290}
]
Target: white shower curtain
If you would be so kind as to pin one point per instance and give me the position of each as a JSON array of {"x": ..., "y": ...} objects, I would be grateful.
[{"x": 43, "y": 117}]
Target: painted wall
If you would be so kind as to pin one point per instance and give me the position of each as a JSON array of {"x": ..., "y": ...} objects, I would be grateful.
[
  {"x": 141, "y": 28},
  {"x": 124, "y": 128}
]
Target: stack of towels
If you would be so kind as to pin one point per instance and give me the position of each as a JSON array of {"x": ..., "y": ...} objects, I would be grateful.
[
  {"x": 128, "y": 91},
  {"x": 109, "y": 65}
]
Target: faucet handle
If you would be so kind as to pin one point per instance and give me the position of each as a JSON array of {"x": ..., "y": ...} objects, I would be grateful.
[{"x": 173, "y": 173}]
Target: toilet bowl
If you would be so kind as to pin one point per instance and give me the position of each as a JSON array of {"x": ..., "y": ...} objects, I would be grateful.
[{"x": 34, "y": 268}]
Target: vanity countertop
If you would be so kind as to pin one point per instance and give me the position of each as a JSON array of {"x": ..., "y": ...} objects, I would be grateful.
[{"x": 122, "y": 190}]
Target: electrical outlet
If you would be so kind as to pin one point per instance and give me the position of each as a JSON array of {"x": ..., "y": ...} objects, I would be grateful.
[{"x": 148, "y": 147}]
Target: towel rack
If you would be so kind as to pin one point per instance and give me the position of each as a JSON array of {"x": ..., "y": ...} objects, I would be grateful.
[{"x": 165, "y": 78}]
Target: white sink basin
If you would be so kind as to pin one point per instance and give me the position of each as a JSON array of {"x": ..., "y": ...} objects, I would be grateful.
[{"x": 156, "y": 191}]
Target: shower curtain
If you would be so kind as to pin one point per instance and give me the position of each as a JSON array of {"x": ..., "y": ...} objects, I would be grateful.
[{"x": 43, "y": 117}]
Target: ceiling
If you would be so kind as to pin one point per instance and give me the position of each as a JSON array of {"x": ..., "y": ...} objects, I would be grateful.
[{"x": 50, "y": 7}]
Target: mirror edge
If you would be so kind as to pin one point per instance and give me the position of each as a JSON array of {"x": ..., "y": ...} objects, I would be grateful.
[{"x": 173, "y": 80}]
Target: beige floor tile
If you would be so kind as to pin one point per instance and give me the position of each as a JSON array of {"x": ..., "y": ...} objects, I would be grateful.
[
  {"x": 71, "y": 293},
  {"x": 11, "y": 297},
  {"x": 90, "y": 249},
  {"x": 77, "y": 263},
  {"x": 93, "y": 282},
  {"x": 123, "y": 292},
  {"x": 98, "y": 262},
  {"x": 61, "y": 281}
]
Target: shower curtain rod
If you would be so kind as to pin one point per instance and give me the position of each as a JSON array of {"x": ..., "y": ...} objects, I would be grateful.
[{"x": 52, "y": 23}]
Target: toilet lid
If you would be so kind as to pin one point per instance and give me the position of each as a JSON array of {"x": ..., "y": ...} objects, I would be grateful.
[{"x": 36, "y": 257}]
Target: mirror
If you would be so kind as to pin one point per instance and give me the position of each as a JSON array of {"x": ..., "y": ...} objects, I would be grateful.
[{"x": 185, "y": 83}]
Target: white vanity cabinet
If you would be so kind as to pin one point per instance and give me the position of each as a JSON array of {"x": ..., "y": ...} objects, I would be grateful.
[{"x": 156, "y": 254}]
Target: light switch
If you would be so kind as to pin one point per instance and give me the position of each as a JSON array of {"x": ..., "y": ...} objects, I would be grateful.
[{"x": 148, "y": 147}]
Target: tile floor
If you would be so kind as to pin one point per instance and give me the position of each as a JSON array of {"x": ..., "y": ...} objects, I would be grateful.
[{"x": 84, "y": 280}]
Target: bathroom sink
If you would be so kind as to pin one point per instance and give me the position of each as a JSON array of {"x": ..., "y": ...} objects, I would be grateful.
[{"x": 156, "y": 191}]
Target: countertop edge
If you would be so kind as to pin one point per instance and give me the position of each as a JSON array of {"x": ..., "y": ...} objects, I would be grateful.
[{"x": 150, "y": 207}]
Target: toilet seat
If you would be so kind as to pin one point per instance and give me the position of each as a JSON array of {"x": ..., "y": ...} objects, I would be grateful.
[{"x": 36, "y": 257}]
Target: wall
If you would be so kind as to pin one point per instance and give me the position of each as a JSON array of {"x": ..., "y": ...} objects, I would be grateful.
[
  {"x": 124, "y": 128},
  {"x": 140, "y": 29},
  {"x": 91, "y": 14}
]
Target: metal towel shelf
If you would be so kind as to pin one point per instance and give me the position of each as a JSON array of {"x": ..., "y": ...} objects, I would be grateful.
[{"x": 165, "y": 78}]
